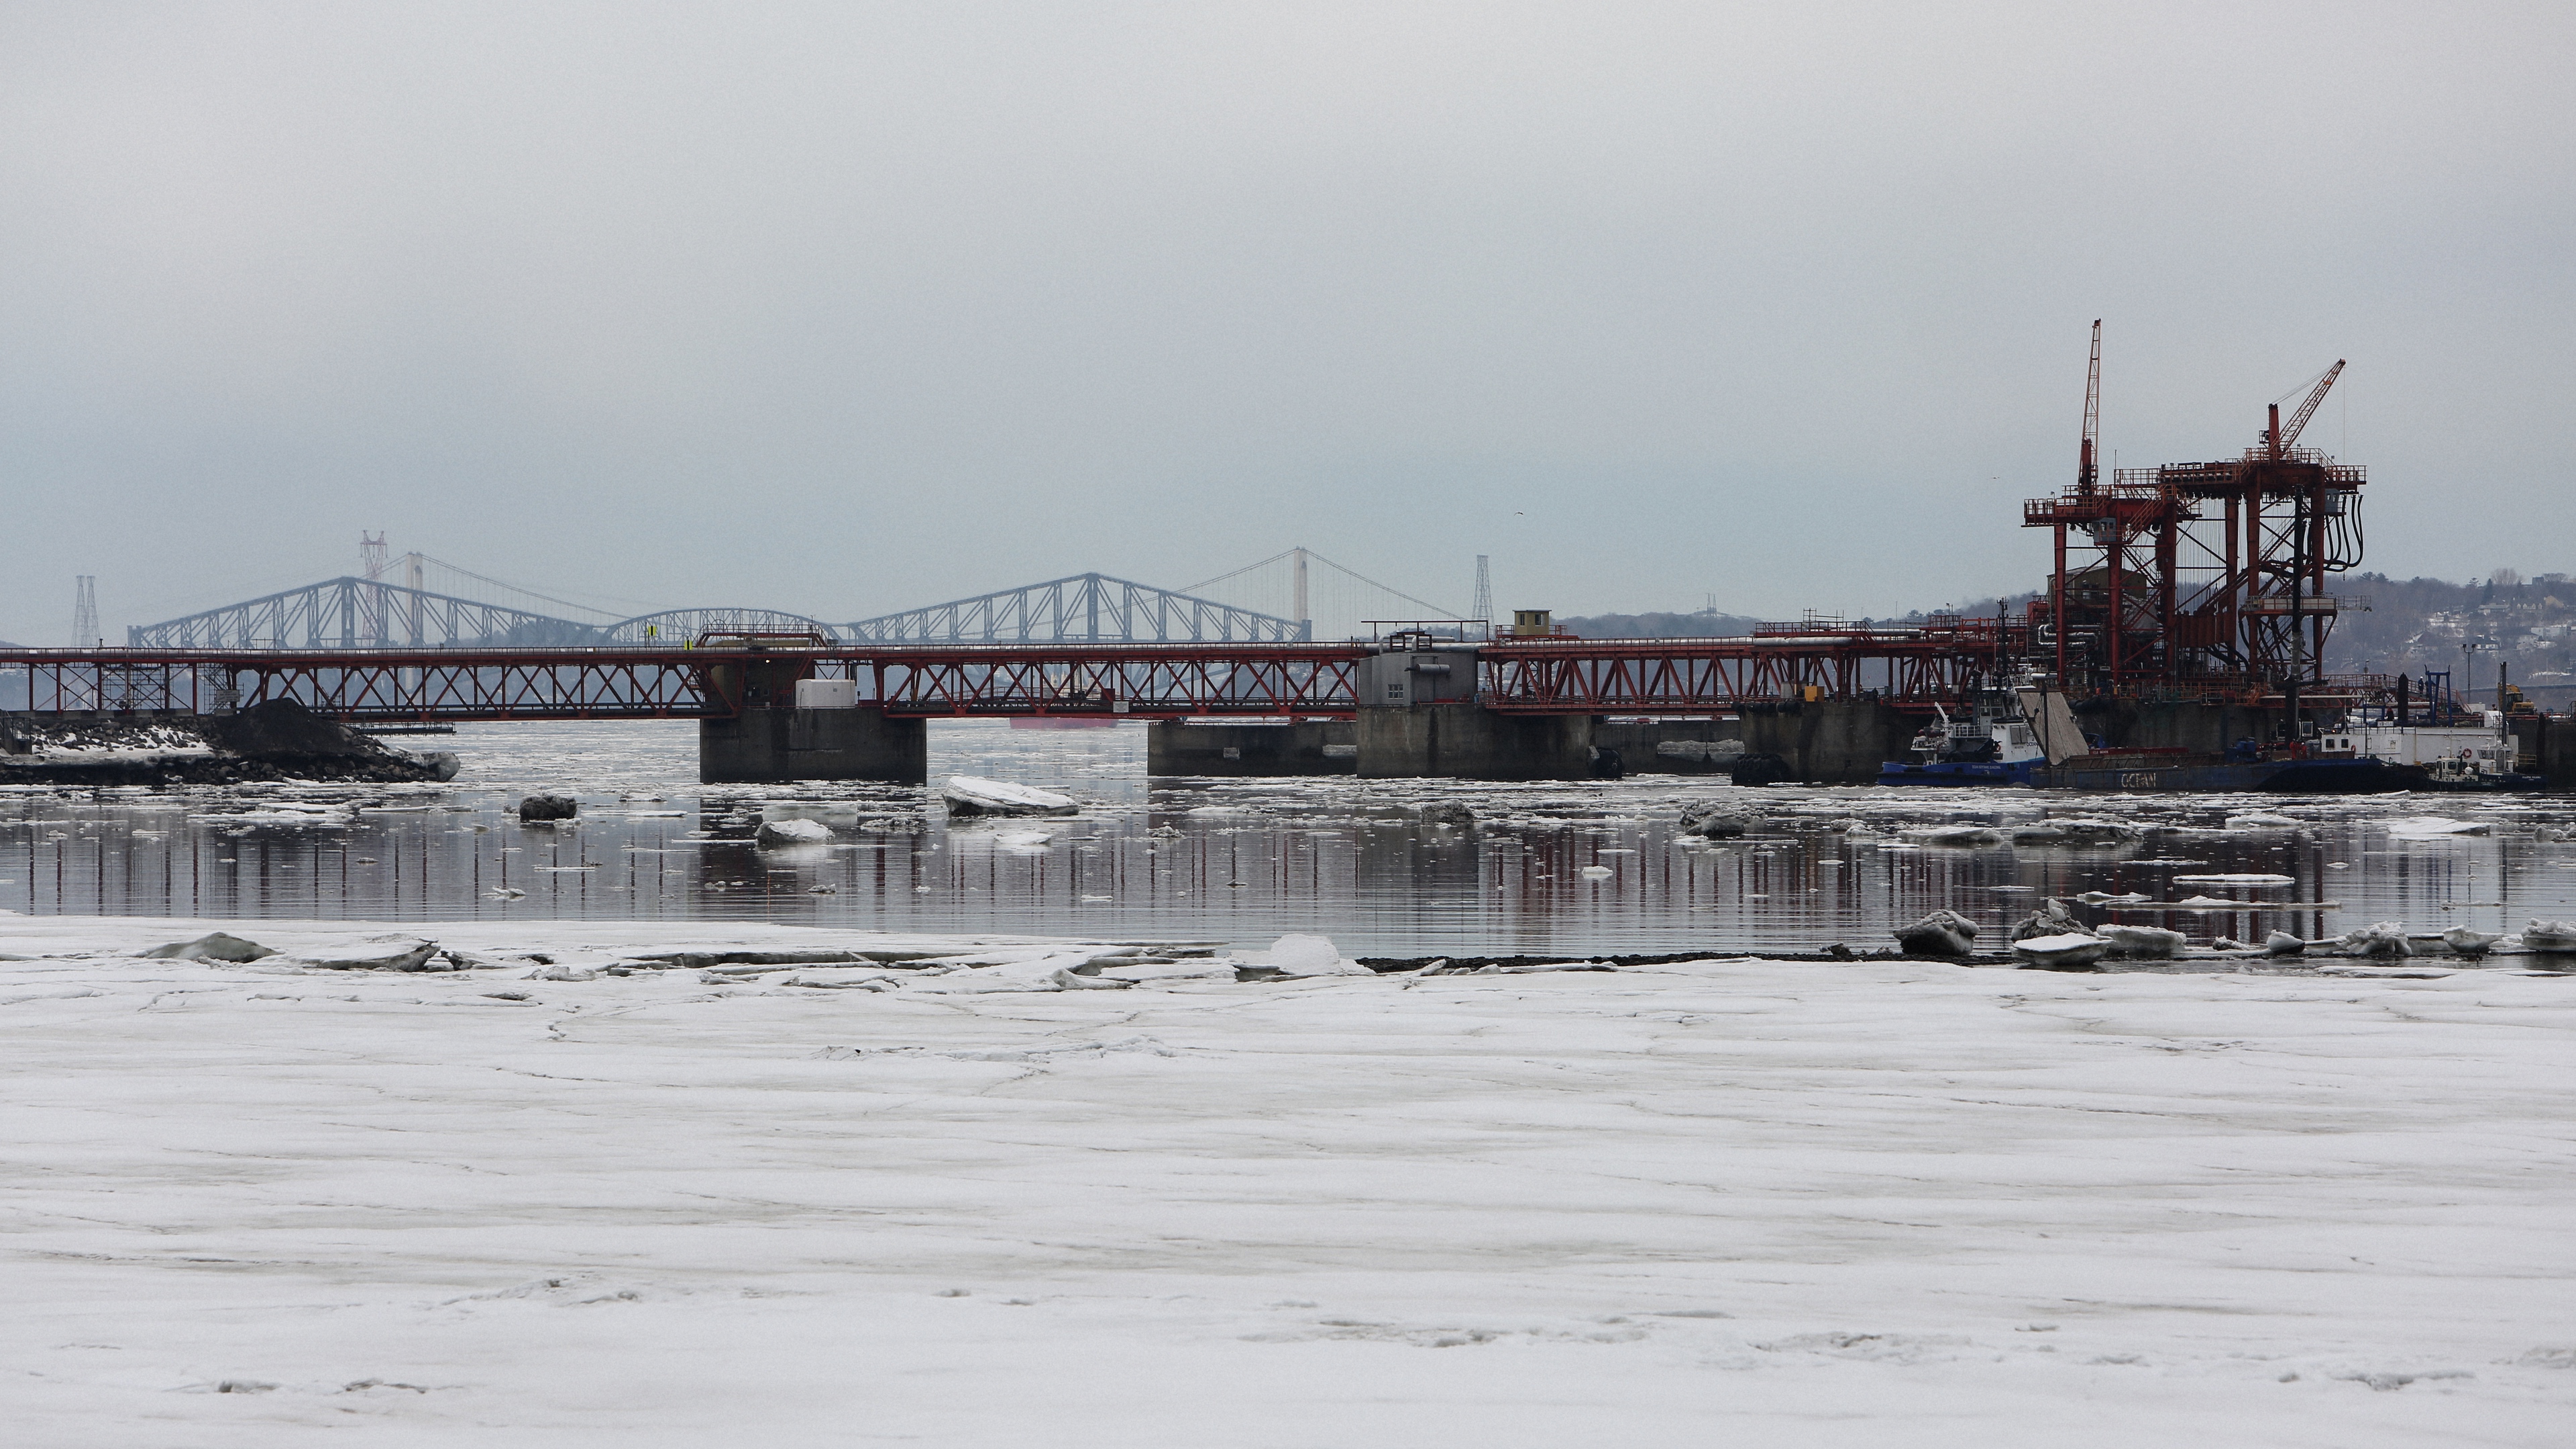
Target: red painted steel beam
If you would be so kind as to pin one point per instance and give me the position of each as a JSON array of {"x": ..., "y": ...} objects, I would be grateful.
[{"x": 1148, "y": 681}]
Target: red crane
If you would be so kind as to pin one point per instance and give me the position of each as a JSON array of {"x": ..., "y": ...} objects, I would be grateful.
[
  {"x": 2087, "y": 465},
  {"x": 2283, "y": 439}
]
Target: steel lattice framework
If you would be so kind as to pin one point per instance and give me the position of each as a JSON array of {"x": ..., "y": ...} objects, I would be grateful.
[
  {"x": 1916, "y": 667},
  {"x": 1905, "y": 667},
  {"x": 675, "y": 626},
  {"x": 1084, "y": 608},
  {"x": 354, "y": 613}
]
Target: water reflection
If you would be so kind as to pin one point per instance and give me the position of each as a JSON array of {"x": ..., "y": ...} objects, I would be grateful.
[{"x": 1397, "y": 868}]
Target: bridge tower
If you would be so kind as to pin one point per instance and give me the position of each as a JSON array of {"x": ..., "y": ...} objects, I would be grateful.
[{"x": 85, "y": 611}]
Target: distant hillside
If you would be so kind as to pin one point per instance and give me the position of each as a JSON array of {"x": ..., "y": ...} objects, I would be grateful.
[
  {"x": 2411, "y": 625},
  {"x": 2415, "y": 624}
]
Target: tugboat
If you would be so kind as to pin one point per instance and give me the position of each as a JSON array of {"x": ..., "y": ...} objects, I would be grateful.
[
  {"x": 1994, "y": 744},
  {"x": 2450, "y": 748}
]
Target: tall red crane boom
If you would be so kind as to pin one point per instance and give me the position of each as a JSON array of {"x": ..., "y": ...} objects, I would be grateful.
[
  {"x": 2308, "y": 409},
  {"x": 2087, "y": 462}
]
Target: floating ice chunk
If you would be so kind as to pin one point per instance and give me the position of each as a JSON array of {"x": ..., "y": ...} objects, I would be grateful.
[
  {"x": 2102, "y": 898},
  {"x": 2143, "y": 940},
  {"x": 793, "y": 832},
  {"x": 1598, "y": 872},
  {"x": 1966, "y": 835},
  {"x": 2282, "y": 943},
  {"x": 2068, "y": 949},
  {"x": 2468, "y": 942},
  {"x": 1023, "y": 839},
  {"x": 974, "y": 795},
  {"x": 2549, "y": 936},
  {"x": 1302, "y": 955},
  {"x": 2428, "y": 825},
  {"x": 2387, "y": 938},
  {"x": 2258, "y": 820},
  {"x": 2207, "y": 903},
  {"x": 2236, "y": 880},
  {"x": 1715, "y": 821}
]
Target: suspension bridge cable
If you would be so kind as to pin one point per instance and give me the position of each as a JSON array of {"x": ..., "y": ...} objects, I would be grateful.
[
  {"x": 1384, "y": 588},
  {"x": 514, "y": 588},
  {"x": 1247, "y": 568}
]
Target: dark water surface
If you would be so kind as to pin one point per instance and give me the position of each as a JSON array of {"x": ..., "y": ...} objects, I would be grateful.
[{"x": 1243, "y": 861}]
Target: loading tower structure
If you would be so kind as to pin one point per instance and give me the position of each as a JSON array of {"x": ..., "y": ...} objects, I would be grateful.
[{"x": 2199, "y": 579}]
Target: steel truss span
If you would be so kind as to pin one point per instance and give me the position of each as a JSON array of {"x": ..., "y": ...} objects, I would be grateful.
[
  {"x": 1083, "y": 608},
  {"x": 1151, "y": 681},
  {"x": 1145, "y": 681},
  {"x": 1915, "y": 668}
]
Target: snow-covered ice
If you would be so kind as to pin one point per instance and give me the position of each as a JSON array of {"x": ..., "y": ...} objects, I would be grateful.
[{"x": 1728, "y": 1202}]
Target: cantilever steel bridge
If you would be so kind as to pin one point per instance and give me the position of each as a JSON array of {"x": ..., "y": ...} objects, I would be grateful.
[{"x": 1908, "y": 667}]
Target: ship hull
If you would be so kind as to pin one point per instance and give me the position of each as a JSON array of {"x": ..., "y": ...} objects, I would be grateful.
[{"x": 1959, "y": 772}]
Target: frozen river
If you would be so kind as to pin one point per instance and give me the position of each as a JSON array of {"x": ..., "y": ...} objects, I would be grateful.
[
  {"x": 949, "y": 1186},
  {"x": 1541, "y": 868}
]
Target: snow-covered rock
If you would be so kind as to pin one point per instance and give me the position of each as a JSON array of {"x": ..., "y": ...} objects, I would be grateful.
[
  {"x": 375, "y": 953},
  {"x": 2051, "y": 919},
  {"x": 974, "y": 795},
  {"x": 213, "y": 946},
  {"x": 549, "y": 807},
  {"x": 1942, "y": 933},
  {"x": 2386, "y": 938}
]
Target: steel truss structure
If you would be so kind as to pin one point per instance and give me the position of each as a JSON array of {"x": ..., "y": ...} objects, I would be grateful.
[
  {"x": 1145, "y": 681},
  {"x": 1910, "y": 668},
  {"x": 1083, "y": 608},
  {"x": 353, "y": 613},
  {"x": 2200, "y": 577},
  {"x": 1906, "y": 667},
  {"x": 677, "y": 626}
]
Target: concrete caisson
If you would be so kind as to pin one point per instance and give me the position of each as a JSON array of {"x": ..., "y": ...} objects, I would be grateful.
[
  {"x": 1470, "y": 742},
  {"x": 770, "y": 745},
  {"x": 1828, "y": 741},
  {"x": 1307, "y": 747}
]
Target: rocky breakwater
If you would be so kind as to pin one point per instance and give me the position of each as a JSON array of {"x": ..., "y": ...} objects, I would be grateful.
[{"x": 276, "y": 740}]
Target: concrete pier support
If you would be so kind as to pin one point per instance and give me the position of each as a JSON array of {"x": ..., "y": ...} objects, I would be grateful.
[
  {"x": 1309, "y": 747},
  {"x": 761, "y": 746},
  {"x": 1639, "y": 744},
  {"x": 1470, "y": 742},
  {"x": 1828, "y": 741},
  {"x": 2547, "y": 747}
]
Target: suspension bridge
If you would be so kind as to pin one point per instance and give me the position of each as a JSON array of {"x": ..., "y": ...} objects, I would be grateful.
[{"x": 1295, "y": 595}]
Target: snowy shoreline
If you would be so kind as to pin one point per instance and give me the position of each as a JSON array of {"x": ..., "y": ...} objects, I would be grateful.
[{"x": 1794, "y": 1204}]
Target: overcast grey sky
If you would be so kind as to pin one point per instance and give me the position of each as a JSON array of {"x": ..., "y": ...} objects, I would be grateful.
[{"x": 847, "y": 308}]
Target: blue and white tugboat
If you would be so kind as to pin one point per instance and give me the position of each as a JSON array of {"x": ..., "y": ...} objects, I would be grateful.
[{"x": 1993, "y": 743}]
